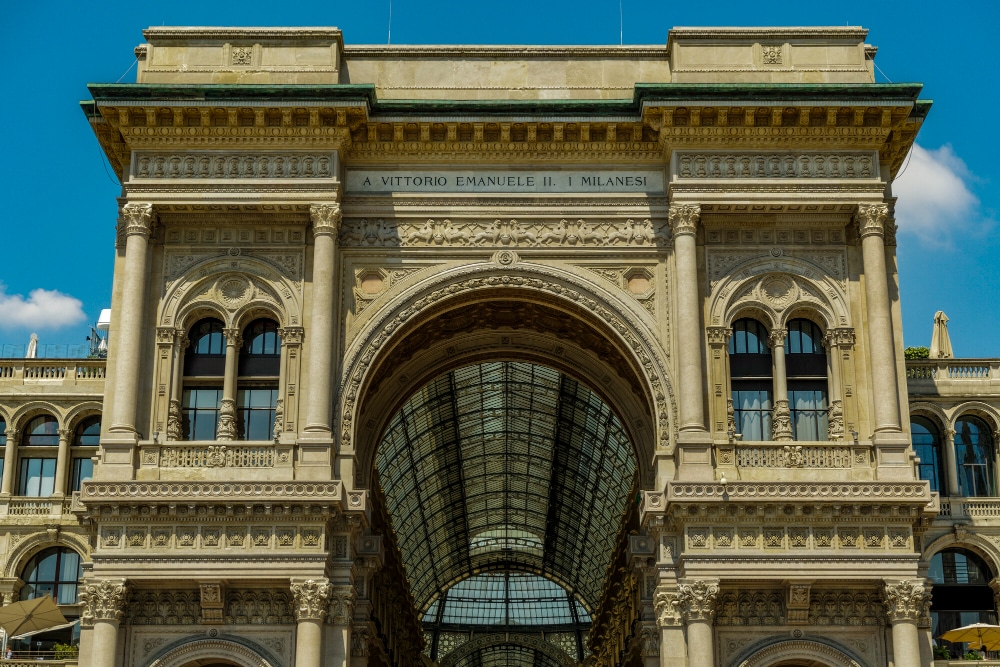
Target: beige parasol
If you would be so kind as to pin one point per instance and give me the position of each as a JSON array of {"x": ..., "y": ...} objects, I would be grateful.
[
  {"x": 940, "y": 340},
  {"x": 30, "y": 615},
  {"x": 977, "y": 635}
]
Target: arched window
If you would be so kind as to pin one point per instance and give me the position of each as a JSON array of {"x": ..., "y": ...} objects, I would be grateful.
[
  {"x": 805, "y": 372},
  {"x": 38, "y": 467},
  {"x": 56, "y": 572},
  {"x": 257, "y": 392},
  {"x": 974, "y": 455},
  {"x": 88, "y": 436},
  {"x": 961, "y": 594},
  {"x": 927, "y": 447},
  {"x": 204, "y": 370},
  {"x": 751, "y": 380}
]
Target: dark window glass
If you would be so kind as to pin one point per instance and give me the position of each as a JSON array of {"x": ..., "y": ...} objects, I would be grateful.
[
  {"x": 83, "y": 468},
  {"x": 200, "y": 412},
  {"x": 260, "y": 355},
  {"x": 3, "y": 432},
  {"x": 42, "y": 431},
  {"x": 961, "y": 594},
  {"x": 54, "y": 572},
  {"x": 927, "y": 447},
  {"x": 88, "y": 433},
  {"x": 805, "y": 373},
  {"x": 751, "y": 382},
  {"x": 206, "y": 355},
  {"x": 974, "y": 455},
  {"x": 257, "y": 412},
  {"x": 38, "y": 477}
]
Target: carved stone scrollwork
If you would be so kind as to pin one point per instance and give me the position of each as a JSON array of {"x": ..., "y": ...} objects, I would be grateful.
[
  {"x": 649, "y": 636},
  {"x": 730, "y": 416},
  {"x": 906, "y": 600},
  {"x": 310, "y": 599},
  {"x": 782, "y": 420},
  {"x": 227, "y": 420},
  {"x": 138, "y": 219},
  {"x": 871, "y": 219},
  {"x": 279, "y": 418},
  {"x": 360, "y": 639},
  {"x": 667, "y": 604},
  {"x": 103, "y": 600},
  {"x": 326, "y": 219},
  {"x": 836, "y": 420},
  {"x": 684, "y": 218},
  {"x": 697, "y": 600},
  {"x": 342, "y": 600}
]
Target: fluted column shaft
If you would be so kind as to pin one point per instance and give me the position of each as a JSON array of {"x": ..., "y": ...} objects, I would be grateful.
[
  {"x": 881, "y": 345},
  {"x": 684, "y": 222},
  {"x": 326, "y": 225},
  {"x": 138, "y": 220},
  {"x": 62, "y": 462},
  {"x": 9, "y": 461},
  {"x": 227, "y": 413}
]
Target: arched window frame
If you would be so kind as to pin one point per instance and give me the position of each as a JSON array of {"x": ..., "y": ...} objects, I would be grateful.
[
  {"x": 751, "y": 379},
  {"x": 65, "y": 566},
  {"x": 259, "y": 370},
  {"x": 975, "y": 456},
  {"x": 38, "y": 456},
  {"x": 806, "y": 380},
  {"x": 928, "y": 444},
  {"x": 85, "y": 440},
  {"x": 961, "y": 594},
  {"x": 204, "y": 377}
]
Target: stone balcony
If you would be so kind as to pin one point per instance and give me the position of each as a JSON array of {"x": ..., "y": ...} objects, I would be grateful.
[
  {"x": 953, "y": 377},
  {"x": 40, "y": 509},
  {"x": 41, "y": 376},
  {"x": 970, "y": 511}
]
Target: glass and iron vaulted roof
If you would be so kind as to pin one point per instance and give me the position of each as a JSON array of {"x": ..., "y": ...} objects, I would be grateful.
[
  {"x": 507, "y": 655},
  {"x": 506, "y": 467},
  {"x": 506, "y": 598}
]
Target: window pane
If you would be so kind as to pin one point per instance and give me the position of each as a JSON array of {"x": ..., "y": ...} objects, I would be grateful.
[
  {"x": 257, "y": 412},
  {"x": 752, "y": 413},
  {"x": 88, "y": 433},
  {"x": 83, "y": 468},
  {"x": 974, "y": 456},
  {"x": 200, "y": 413},
  {"x": 37, "y": 477},
  {"x": 42, "y": 431}
]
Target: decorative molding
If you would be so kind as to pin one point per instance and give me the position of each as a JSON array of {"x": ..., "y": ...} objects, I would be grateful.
[
  {"x": 164, "y": 608},
  {"x": 751, "y": 608},
  {"x": 258, "y": 607},
  {"x": 233, "y": 166},
  {"x": 342, "y": 601},
  {"x": 797, "y": 651},
  {"x": 102, "y": 600},
  {"x": 217, "y": 456},
  {"x": 776, "y": 165},
  {"x": 782, "y": 419},
  {"x": 667, "y": 604}
]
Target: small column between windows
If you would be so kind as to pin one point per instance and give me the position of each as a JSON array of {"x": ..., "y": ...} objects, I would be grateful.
[
  {"x": 227, "y": 411},
  {"x": 951, "y": 462},
  {"x": 782, "y": 414},
  {"x": 174, "y": 425},
  {"x": 9, "y": 462},
  {"x": 62, "y": 462}
]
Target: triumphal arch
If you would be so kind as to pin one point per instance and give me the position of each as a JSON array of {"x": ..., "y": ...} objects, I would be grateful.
[{"x": 505, "y": 355}]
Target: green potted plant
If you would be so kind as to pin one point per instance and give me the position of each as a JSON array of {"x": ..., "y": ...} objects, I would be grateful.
[{"x": 942, "y": 653}]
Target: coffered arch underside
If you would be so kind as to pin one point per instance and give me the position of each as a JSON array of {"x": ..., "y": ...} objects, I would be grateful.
[
  {"x": 233, "y": 291},
  {"x": 777, "y": 291},
  {"x": 620, "y": 324}
]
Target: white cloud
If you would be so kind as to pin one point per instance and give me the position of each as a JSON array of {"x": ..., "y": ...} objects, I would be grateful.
[
  {"x": 935, "y": 200},
  {"x": 43, "y": 309}
]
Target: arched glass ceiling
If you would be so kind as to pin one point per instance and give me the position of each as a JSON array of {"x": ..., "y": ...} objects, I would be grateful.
[
  {"x": 505, "y": 466},
  {"x": 507, "y": 655},
  {"x": 506, "y": 598}
]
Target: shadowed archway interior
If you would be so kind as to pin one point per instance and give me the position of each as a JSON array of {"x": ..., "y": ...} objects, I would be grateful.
[{"x": 506, "y": 483}]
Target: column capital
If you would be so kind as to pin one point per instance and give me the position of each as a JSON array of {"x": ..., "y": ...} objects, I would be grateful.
[
  {"x": 871, "y": 219},
  {"x": 698, "y": 599},
  {"x": 65, "y": 434},
  {"x": 234, "y": 337},
  {"x": 719, "y": 335},
  {"x": 342, "y": 600},
  {"x": 326, "y": 219},
  {"x": 138, "y": 219},
  {"x": 310, "y": 598},
  {"x": 103, "y": 600},
  {"x": 684, "y": 218},
  {"x": 166, "y": 335},
  {"x": 11, "y": 435},
  {"x": 906, "y": 600},
  {"x": 840, "y": 337},
  {"x": 291, "y": 335},
  {"x": 667, "y": 603},
  {"x": 776, "y": 338}
]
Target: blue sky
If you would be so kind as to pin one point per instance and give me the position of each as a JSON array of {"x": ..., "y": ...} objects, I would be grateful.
[{"x": 58, "y": 222}]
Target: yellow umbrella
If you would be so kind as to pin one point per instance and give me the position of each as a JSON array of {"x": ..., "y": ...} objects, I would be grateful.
[
  {"x": 30, "y": 615},
  {"x": 977, "y": 635}
]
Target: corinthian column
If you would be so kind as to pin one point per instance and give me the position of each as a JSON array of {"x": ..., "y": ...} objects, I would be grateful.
[
  {"x": 227, "y": 411},
  {"x": 62, "y": 462},
  {"x": 906, "y": 601},
  {"x": 697, "y": 605},
  {"x": 326, "y": 223},
  {"x": 138, "y": 220},
  {"x": 670, "y": 621},
  {"x": 9, "y": 461},
  {"x": 103, "y": 603},
  {"x": 310, "y": 598},
  {"x": 881, "y": 346},
  {"x": 782, "y": 414},
  {"x": 341, "y": 617},
  {"x": 684, "y": 223}
]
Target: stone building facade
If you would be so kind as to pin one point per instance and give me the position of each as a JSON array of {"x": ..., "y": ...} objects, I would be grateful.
[{"x": 504, "y": 355}]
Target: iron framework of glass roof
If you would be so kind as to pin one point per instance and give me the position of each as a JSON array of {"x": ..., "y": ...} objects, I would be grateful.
[{"x": 506, "y": 483}]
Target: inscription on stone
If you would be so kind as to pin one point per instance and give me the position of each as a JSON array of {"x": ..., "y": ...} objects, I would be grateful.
[{"x": 617, "y": 181}]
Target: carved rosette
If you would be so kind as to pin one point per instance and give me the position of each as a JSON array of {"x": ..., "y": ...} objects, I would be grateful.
[
  {"x": 871, "y": 219},
  {"x": 326, "y": 219},
  {"x": 668, "y": 609},
  {"x": 227, "y": 420},
  {"x": 138, "y": 219},
  {"x": 697, "y": 600},
  {"x": 174, "y": 431},
  {"x": 684, "y": 218},
  {"x": 836, "y": 420},
  {"x": 310, "y": 599},
  {"x": 906, "y": 600},
  {"x": 103, "y": 600},
  {"x": 782, "y": 420},
  {"x": 342, "y": 599}
]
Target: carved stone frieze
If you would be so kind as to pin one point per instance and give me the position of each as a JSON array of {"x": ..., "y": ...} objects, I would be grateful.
[
  {"x": 776, "y": 165},
  {"x": 751, "y": 608},
  {"x": 845, "y": 608},
  {"x": 342, "y": 601},
  {"x": 906, "y": 599},
  {"x": 102, "y": 600},
  {"x": 164, "y": 608},
  {"x": 667, "y": 604},
  {"x": 725, "y": 264},
  {"x": 233, "y": 166},
  {"x": 502, "y": 232},
  {"x": 217, "y": 456},
  {"x": 310, "y": 599},
  {"x": 259, "y": 607}
]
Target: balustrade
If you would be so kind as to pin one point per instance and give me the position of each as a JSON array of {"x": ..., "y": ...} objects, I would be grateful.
[{"x": 53, "y": 372}]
